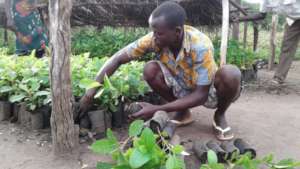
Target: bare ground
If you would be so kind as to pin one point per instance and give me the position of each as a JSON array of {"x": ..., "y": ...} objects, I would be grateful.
[{"x": 267, "y": 117}]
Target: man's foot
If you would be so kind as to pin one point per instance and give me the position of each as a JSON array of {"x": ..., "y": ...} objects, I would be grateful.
[
  {"x": 222, "y": 130},
  {"x": 183, "y": 118}
]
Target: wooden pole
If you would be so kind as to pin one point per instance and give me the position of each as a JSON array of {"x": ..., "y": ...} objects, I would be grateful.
[
  {"x": 236, "y": 25},
  {"x": 5, "y": 32},
  {"x": 272, "y": 41},
  {"x": 255, "y": 36},
  {"x": 245, "y": 34},
  {"x": 225, "y": 29},
  {"x": 64, "y": 133}
]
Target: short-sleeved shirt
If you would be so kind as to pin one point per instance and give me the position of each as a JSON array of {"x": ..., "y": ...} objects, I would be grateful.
[
  {"x": 194, "y": 64},
  {"x": 289, "y": 8}
]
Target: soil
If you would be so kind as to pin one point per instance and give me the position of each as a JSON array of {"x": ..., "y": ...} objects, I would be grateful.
[{"x": 265, "y": 116}]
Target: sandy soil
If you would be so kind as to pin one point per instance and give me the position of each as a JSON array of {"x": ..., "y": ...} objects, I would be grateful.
[{"x": 266, "y": 117}]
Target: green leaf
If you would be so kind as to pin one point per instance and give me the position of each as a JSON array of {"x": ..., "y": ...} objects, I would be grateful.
[
  {"x": 177, "y": 149},
  {"x": 136, "y": 127},
  {"x": 16, "y": 98},
  {"x": 110, "y": 136},
  {"x": 148, "y": 137},
  {"x": 174, "y": 163},
  {"x": 5, "y": 89},
  {"x": 103, "y": 165},
  {"x": 32, "y": 106},
  {"x": 286, "y": 163},
  {"x": 268, "y": 159},
  {"x": 212, "y": 157},
  {"x": 88, "y": 84},
  {"x": 104, "y": 146},
  {"x": 138, "y": 159},
  {"x": 42, "y": 93},
  {"x": 99, "y": 93}
]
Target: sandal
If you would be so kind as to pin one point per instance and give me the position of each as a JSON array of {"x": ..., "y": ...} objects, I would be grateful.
[{"x": 223, "y": 134}]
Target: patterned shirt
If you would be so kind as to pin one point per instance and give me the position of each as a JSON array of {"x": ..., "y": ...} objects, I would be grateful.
[{"x": 194, "y": 64}]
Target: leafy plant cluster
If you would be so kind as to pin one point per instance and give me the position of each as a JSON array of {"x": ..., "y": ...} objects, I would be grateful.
[
  {"x": 105, "y": 42},
  {"x": 246, "y": 162},
  {"x": 151, "y": 151},
  {"x": 145, "y": 152},
  {"x": 26, "y": 79},
  {"x": 236, "y": 54}
]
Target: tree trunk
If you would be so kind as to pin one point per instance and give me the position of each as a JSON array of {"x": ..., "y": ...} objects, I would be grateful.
[
  {"x": 225, "y": 29},
  {"x": 236, "y": 25},
  {"x": 272, "y": 41},
  {"x": 64, "y": 132}
]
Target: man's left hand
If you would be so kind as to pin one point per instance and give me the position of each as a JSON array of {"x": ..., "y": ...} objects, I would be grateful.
[{"x": 146, "y": 112}]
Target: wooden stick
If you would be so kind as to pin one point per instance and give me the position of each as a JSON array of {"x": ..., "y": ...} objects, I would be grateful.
[
  {"x": 225, "y": 29},
  {"x": 245, "y": 33}
]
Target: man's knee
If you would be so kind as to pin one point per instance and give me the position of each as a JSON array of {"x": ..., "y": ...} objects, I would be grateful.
[
  {"x": 228, "y": 79},
  {"x": 151, "y": 71}
]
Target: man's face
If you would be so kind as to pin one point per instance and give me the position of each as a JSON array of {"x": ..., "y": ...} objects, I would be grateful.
[{"x": 164, "y": 36}]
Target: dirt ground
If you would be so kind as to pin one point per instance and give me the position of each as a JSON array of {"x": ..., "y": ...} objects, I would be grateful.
[{"x": 266, "y": 117}]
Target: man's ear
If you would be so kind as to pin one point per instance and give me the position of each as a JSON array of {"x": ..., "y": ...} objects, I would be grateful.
[{"x": 178, "y": 30}]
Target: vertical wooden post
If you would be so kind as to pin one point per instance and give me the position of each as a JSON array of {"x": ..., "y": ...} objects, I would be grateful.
[
  {"x": 255, "y": 36},
  {"x": 272, "y": 41},
  {"x": 245, "y": 34},
  {"x": 225, "y": 29},
  {"x": 64, "y": 133},
  {"x": 5, "y": 32},
  {"x": 236, "y": 25}
]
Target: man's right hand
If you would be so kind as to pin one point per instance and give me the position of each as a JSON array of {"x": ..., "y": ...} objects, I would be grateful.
[{"x": 86, "y": 101}]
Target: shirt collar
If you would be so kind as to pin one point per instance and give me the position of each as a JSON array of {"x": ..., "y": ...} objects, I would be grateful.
[{"x": 186, "y": 45}]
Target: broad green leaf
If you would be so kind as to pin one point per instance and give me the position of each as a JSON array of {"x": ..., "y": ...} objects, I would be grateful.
[
  {"x": 174, "y": 162},
  {"x": 104, "y": 146},
  {"x": 42, "y": 93},
  {"x": 99, "y": 93},
  {"x": 177, "y": 149},
  {"x": 138, "y": 159},
  {"x": 212, "y": 157},
  {"x": 103, "y": 165},
  {"x": 24, "y": 87},
  {"x": 136, "y": 127},
  {"x": 5, "y": 89},
  {"x": 88, "y": 83},
  {"x": 148, "y": 137},
  {"x": 110, "y": 136},
  {"x": 16, "y": 98}
]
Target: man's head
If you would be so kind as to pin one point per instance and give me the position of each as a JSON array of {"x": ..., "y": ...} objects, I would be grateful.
[{"x": 167, "y": 22}]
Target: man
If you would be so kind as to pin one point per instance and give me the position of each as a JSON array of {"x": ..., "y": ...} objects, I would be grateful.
[
  {"x": 291, "y": 9},
  {"x": 184, "y": 72}
]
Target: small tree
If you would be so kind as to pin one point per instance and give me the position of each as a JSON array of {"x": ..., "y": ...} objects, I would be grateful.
[{"x": 64, "y": 132}]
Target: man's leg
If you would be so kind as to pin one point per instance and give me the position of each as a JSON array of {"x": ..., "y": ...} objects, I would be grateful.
[
  {"x": 228, "y": 85},
  {"x": 288, "y": 50},
  {"x": 156, "y": 80}
]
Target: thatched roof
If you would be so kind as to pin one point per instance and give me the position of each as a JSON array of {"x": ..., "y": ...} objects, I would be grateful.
[{"x": 136, "y": 12}]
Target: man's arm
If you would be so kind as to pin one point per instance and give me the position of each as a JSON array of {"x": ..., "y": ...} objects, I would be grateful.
[
  {"x": 108, "y": 69},
  {"x": 258, "y": 16},
  {"x": 196, "y": 98}
]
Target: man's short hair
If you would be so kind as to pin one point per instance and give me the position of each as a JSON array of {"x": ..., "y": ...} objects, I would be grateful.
[{"x": 173, "y": 13}]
